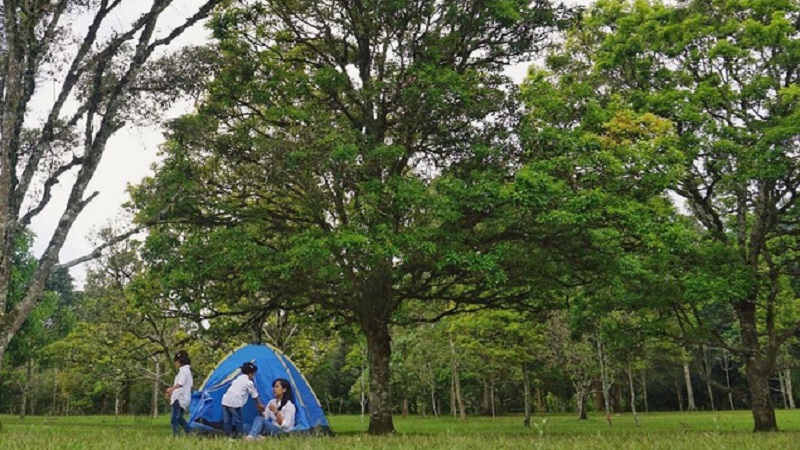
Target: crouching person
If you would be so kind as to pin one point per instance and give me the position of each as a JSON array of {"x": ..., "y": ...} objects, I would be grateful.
[{"x": 278, "y": 418}]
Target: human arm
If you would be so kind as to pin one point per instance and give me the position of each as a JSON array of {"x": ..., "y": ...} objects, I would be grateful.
[{"x": 286, "y": 420}]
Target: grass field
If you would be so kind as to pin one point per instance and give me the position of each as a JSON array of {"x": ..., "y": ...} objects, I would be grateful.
[{"x": 674, "y": 431}]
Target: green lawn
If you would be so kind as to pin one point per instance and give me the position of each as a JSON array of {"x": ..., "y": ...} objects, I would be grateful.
[{"x": 674, "y": 431}]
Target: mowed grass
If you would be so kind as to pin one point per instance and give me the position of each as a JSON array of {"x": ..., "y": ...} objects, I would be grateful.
[{"x": 674, "y": 431}]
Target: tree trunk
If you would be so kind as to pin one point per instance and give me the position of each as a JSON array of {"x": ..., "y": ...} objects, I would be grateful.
[
  {"x": 404, "y": 408},
  {"x": 363, "y": 386},
  {"x": 540, "y": 406},
  {"x": 581, "y": 397},
  {"x": 380, "y": 395},
  {"x": 726, "y": 364},
  {"x": 616, "y": 400},
  {"x": 462, "y": 412},
  {"x": 487, "y": 407},
  {"x": 783, "y": 390},
  {"x": 711, "y": 395},
  {"x": 433, "y": 404},
  {"x": 789, "y": 393},
  {"x": 760, "y": 400},
  {"x": 156, "y": 390},
  {"x": 605, "y": 379},
  {"x": 758, "y": 369},
  {"x": 491, "y": 397},
  {"x": 453, "y": 410},
  {"x": 644, "y": 391},
  {"x": 526, "y": 392},
  {"x": 687, "y": 375},
  {"x": 25, "y": 389},
  {"x": 679, "y": 390},
  {"x": 708, "y": 369},
  {"x": 54, "y": 408},
  {"x": 633, "y": 396},
  {"x": 436, "y": 408},
  {"x": 599, "y": 398}
]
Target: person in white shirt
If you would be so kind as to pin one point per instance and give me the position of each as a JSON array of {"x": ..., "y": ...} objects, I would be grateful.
[
  {"x": 236, "y": 397},
  {"x": 279, "y": 416},
  {"x": 180, "y": 393}
]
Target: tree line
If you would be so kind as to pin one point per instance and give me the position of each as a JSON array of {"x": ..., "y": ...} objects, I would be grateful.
[{"x": 105, "y": 350}]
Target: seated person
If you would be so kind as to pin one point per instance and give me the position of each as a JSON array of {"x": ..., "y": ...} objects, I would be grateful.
[{"x": 278, "y": 417}]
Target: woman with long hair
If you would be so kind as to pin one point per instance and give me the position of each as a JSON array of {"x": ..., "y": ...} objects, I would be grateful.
[{"x": 278, "y": 417}]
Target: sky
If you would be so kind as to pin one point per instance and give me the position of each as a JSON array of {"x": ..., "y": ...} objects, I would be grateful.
[{"x": 131, "y": 152}]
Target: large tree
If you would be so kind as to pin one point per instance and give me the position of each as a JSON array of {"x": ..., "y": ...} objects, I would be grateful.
[
  {"x": 96, "y": 93},
  {"x": 324, "y": 131},
  {"x": 725, "y": 74}
]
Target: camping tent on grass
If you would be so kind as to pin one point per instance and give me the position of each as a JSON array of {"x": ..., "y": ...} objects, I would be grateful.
[{"x": 205, "y": 412}]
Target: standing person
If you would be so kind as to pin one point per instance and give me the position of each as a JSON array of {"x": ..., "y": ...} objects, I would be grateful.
[
  {"x": 278, "y": 418},
  {"x": 180, "y": 393},
  {"x": 236, "y": 397}
]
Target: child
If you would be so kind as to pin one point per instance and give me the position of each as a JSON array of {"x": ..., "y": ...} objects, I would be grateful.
[
  {"x": 236, "y": 397},
  {"x": 180, "y": 393},
  {"x": 279, "y": 417}
]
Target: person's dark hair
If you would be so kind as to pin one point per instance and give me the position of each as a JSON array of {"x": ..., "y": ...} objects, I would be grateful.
[
  {"x": 248, "y": 368},
  {"x": 287, "y": 395},
  {"x": 182, "y": 357}
]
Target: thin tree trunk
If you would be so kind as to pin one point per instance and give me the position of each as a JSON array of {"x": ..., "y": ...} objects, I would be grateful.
[
  {"x": 644, "y": 391},
  {"x": 156, "y": 390},
  {"x": 526, "y": 392},
  {"x": 23, "y": 409},
  {"x": 453, "y": 410},
  {"x": 711, "y": 396},
  {"x": 54, "y": 408},
  {"x": 633, "y": 396},
  {"x": 433, "y": 404},
  {"x": 783, "y": 390},
  {"x": 727, "y": 368},
  {"x": 604, "y": 378},
  {"x": 404, "y": 408},
  {"x": 540, "y": 405},
  {"x": 789, "y": 391},
  {"x": 491, "y": 398},
  {"x": 679, "y": 390},
  {"x": 462, "y": 412},
  {"x": 486, "y": 408},
  {"x": 363, "y": 385},
  {"x": 687, "y": 375},
  {"x": 436, "y": 408},
  {"x": 708, "y": 370},
  {"x": 116, "y": 402}
]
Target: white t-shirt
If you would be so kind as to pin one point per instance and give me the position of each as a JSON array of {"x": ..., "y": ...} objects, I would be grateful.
[
  {"x": 184, "y": 393},
  {"x": 288, "y": 412},
  {"x": 236, "y": 397}
]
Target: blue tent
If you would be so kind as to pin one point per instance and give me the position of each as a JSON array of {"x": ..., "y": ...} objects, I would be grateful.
[{"x": 205, "y": 412}]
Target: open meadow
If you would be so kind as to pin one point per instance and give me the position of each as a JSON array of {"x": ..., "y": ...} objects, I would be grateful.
[{"x": 674, "y": 431}]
